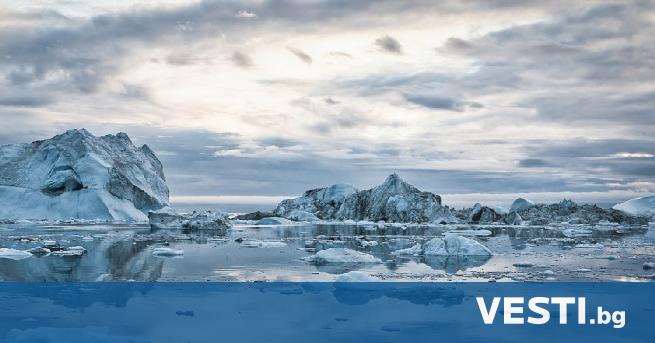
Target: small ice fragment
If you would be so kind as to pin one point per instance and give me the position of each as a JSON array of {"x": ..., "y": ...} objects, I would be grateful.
[
  {"x": 167, "y": 252},
  {"x": 254, "y": 243},
  {"x": 341, "y": 255}
]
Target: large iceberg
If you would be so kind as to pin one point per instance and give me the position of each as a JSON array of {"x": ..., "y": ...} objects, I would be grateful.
[
  {"x": 78, "y": 175},
  {"x": 643, "y": 206},
  {"x": 571, "y": 212},
  {"x": 393, "y": 201},
  {"x": 525, "y": 212}
]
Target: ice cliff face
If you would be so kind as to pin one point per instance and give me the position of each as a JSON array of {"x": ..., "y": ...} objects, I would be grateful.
[
  {"x": 78, "y": 175},
  {"x": 393, "y": 201}
]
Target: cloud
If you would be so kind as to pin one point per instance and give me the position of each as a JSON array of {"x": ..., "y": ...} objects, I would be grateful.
[
  {"x": 241, "y": 60},
  {"x": 245, "y": 14},
  {"x": 533, "y": 163},
  {"x": 442, "y": 103},
  {"x": 25, "y": 101},
  {"x": 389, "y": 44},
  {"x": 303, "y": 56}
]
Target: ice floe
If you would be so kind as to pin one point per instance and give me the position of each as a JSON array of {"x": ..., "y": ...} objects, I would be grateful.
[
  {"x": 13, "y": 254},
  {"x": 341, "y": 255}
]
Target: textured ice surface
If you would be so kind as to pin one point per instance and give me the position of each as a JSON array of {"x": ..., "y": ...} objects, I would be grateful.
[
  {"x": 393, "y": 201},
  {"x": 78, "y": 175}
]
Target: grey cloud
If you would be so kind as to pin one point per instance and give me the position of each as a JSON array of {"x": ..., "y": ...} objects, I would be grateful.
[
  {"x": 436, "y": 102},
  {"x": 25, "y": 101},
  {"x": 303, "y": 56},
  {"x": 132, "y": 91},
  {"x": 534, "y": 163},
  {"x": 241, "y": 60},
  {"x": 389, "y": 44},
  {"x": 341, "y": 54}
]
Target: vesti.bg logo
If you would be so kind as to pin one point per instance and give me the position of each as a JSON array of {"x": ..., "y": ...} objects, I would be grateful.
[{"x": 539, "y": 309}]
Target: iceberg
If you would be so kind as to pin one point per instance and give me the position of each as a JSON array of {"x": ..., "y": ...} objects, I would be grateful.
[
  {"x": 78, "y": 175},
  {"x": 169, "y": 218},
  {"x": 393, "y": 201},
  {"x": 521, "y": 204},
  {"x": 13, "y": 254},
  {"x": 643, "y": 207},
  {"x": 416, "y": 249},
  {"x": 273, "y": 221},
  {"x": 454, "y": 245},
  {"x": 341, "y": 255},
  {"x": 484, "y": 215},
  {"x": 571, "y": 212}
]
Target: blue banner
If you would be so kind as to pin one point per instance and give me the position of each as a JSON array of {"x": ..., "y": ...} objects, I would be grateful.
[{"x": 327, "y": 312}]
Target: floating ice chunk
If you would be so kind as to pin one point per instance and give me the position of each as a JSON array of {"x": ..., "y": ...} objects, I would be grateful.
[
  {"x": 39, "y": 251},
  {"x": 414, "y": 250},
  {"x": 368, "y": 243},
  {"x": 13, "y": 254},
  {"x": 273, "y": 221},
  {"x": 649, "y": 265},
  {"x": 469, "y": 232},
  {"x": 341, "y": 255},
  {"x": 356, "y": 276},
  {"x": 590, "y": 246},
  {"x": 167, "y": 252},
  {"x": 453, "y": 245},
  {"x": 71, "y": 251},
  {"x": 254, "y": 243},
  {"x": 302, "y": 216},
  {"x": 576, "y": 232}
]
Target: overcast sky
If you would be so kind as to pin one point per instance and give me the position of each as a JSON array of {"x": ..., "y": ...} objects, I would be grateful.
[{"x": 269, "y": 98}]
